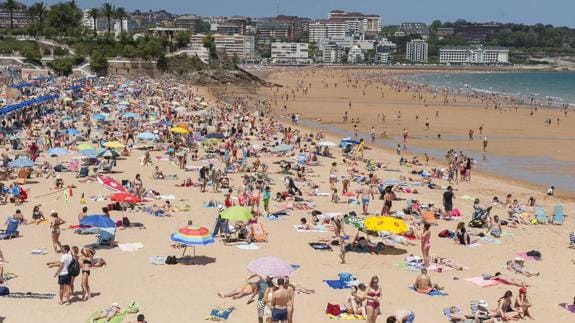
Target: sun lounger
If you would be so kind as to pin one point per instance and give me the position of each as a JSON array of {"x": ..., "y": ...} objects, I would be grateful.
[
  {"x": 106, "y": 237},
  {"x": 11, "y": 229},
  {"x": 540, "y": 216},
  {"x": 558, "y": 216}
]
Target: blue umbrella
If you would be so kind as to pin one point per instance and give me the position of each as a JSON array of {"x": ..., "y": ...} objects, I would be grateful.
[
  {"x": 165, "y": 123},
  {"x": 72, "y": 132},
  {"x": 131, "y": 115},
  {"x": 21, "y": 163},
  {"x": 57, "y": 151},
  {"x": 98, "y": 221},
  {"x": 92, "y": 153},
  {"x": 147, "y": 136},
  {"x": 99, "y": 116}
]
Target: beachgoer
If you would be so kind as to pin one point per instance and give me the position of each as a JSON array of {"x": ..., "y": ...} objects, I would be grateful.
[
  {"x": 55, "y": 226},
  {"x": 37, "y": 215},
  {"x": 426, "y": 243},
  {"x": 523, "y": 303},
  {"x": 448, "y": 197},
  {"x": 64, "y": 278},
  {"x": 279, "y": 302},
  {"x": 374, "y": 295},
  {"x": 401, "y": 316},
  {"x": 423, "y": 283},
  {"x": 506, "y": 309},
  {"x": 85, "y": 260},
  {"x": 108, "y": 314},
  {"x": 365, "y": 193}
]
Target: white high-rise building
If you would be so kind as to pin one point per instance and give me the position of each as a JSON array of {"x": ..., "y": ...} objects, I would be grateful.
[
  {"x": 241, "y": 46},
  {"x": 473, "y": 55},
  {"x": 416, "y": 51},
  {"x": 290, "y": 53},
  {"x": 317, "y": 31}
]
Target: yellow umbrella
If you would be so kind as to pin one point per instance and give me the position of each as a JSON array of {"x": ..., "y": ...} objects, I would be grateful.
[
  {"x": 178, "y": 130},
  {"x": 84, "y": 147},
  {"x": 183, "y": 126},
  {"x": 385, "y": 223},
  {"x": 114, "y": 144}
]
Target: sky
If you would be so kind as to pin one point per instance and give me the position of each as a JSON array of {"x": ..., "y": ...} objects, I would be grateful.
[{"x": 555, "y": 12}]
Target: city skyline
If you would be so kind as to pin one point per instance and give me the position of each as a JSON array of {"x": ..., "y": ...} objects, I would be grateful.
[{"x": 555, "y": 12}]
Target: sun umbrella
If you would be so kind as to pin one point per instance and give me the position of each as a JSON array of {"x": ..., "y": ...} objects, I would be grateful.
[
  {"x": 114, "y": 144},
  {"x": 81, "y": 147},
  {"x": 211, "y": 142},
  {"x": 179, "y": 130},
  {"x": 385, "y": 223},
  {"x": 131, "y": 115},
  {"x": 147, "y": 136},
  {"x": 109, "y": 153},
  {"x": 110, "y": 183},
  {"x": 72, "y": 132},
  {"x": 92, "y": 153},
  {"x": 125, "y": 198},
  {"x": 270, "y": 266},
  {"x": 190, "y": 236},
  {"x": 98, "y": 116},
  {"x": 327, "y": 144},
  {"x": 21, "y": 163},
  {"x": 217, "y": 135},
  {"x": 281, "y": 148},
  {"x": 57, "y": 151},
  {"x": 98, "y": 221},
  {"x": 237, "y": 213}
]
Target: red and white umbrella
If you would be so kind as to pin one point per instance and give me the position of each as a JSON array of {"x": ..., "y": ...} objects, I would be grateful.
[
  {"x": 125, "y": 198},
  {"x": 111, "y": 184}
]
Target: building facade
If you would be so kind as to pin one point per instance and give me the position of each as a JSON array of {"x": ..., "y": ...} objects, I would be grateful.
[
  {"x": 474, "y": 55},
  {"x": 364, "y": 23},
  {"x": 268, "y": 32},
  {"x": 20, "y": 17},
  {"x": 417, "y": 28},
  {"x": 240, "y": 46},
  {"x": 416, "y": 51},
  {"x": 290, "y": 53},
  {"x": 189, "y": 22}
]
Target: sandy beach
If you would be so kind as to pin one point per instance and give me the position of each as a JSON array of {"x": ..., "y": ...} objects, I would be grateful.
[{"x": 187, "y": 293}]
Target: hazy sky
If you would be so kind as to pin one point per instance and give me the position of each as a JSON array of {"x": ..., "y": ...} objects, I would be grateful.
[{"x": 556, "y": 12}]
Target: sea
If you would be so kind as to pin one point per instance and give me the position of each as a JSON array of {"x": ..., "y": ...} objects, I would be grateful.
[{"x": 542, "y": 86}]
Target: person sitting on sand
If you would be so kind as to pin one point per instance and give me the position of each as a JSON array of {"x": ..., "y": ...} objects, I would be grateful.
[
  {"x": 59, "y": 184},
  {"x": 508, "y": 280},
  {"x": 108, "y": 313},
  {"x": 423, "y": 283},
  {"x": 355, "y": 303},
  {"x": 249, "y": 289},
  {"x": 446, "y": 262},
  {"x": 506, "y": 309},
  {"x": 518, "y": 266},
  {"x": 37, "y": 215},
  {"x": 158, "y": 174},
  {"x": 523, "y": 303}
]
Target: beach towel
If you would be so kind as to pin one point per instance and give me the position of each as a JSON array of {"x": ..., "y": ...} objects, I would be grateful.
[
  {"x": 433, "y": 292},
  {"x": 250, "y": 246},
  {"x": 39, "y": 251},
  {"x": 320, "y": 246},
  {"x": 8, "y": 276},
  {"x": 158, "y": 260},
  {"x": 130, "y": 247},
  {"x": 220, "y": 313},
  {"x": 116, "y": 319},
  {"x": 336, "y": 284},
  {"x": 317, "y": 229},
  {"x": 479, "y": 281},
  {"x": 30, "y": 295},
  {"x": 490, "y": 240},
  {"x": 569, "y": 307},
  {"x": 346, "y": 316}
]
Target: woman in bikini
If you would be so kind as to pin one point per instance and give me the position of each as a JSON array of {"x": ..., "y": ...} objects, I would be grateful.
[
  {"x": 506, "y": 309},
  {"x": 373, "y": 300},
  {"x": 426, "y": 243},
  {"x": 138, "y": 186},
  {"x": 387, "y": 201},
  {"x": 249, "y": 289},
  {"x": 55, "y": 226},
  {"x": 85, "y": 260}
]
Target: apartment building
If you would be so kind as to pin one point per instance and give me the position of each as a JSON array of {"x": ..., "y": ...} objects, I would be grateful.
[
  {"x": 268, "y": 32},
  {"x": 417, "y": 28},
  {"x": 20, "y": 17},
  {"x": 290, "y": 53},
  {"x": 416, "y": 51},
  {"x": 366, "y": 23},
  {"x": 474, "y": 55},
  {"x": 240, "y": 46},
  {"x": 188, "y": 22}
]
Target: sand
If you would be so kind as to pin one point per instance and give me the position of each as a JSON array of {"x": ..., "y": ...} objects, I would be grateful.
[{"x": 187, "y": 293}]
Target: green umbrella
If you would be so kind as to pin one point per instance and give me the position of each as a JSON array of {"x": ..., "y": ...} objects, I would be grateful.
[{"x": 237, "y": 213}]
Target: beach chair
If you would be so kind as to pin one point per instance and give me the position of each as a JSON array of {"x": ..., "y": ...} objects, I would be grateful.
[
  {"x": 540, "y": 215},
  {"x": 258, "y": 233},
  {"x": 106, "y": 237},
  {"x": 11, "y": 229},
  {"x": 558, "y": 215}
]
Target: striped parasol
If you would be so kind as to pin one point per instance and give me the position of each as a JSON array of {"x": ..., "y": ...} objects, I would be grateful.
[{"x": 191, "y": 236}]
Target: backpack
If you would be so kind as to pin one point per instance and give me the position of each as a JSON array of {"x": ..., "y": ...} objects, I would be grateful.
[
  {"x": 534, "y": 253},
  {"x": 74, "y": 267},
  {"x": 333, "y": 309},
  {"x": 4, "y": 291}
]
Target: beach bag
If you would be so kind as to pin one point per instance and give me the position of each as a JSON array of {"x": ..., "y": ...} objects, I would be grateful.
[
  {"x": 125, "y": 221},
  {"x": 4, "y": 291},
  {"x": 444, "y": 233},
  {"x": 74, "y": 267},
  {"x": 344, "y": 277},
  {"x": 477, "y": 223},
  {"x": 333, "y": 309},
  {"x": 534, "y": 254}
]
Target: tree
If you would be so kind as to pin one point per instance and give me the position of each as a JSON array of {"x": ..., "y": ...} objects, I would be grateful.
[
  {"x": 210, "y": 44},
  {"x": 204, "y": 27},
  {"x": 38, "y": 10},
  {"x": 99, "y": 63},
  {"x": 62, "y": 66},
  {"x": 120, "y": 13},
  {"x": 32, "y": 54},
  {"x": 108, "y": 11},
  {"x": 94, "y": 13},
  {"x": 11, "y": 5},
  {"x": 182, "y": 38},
  {"x": 435, "y": 24},
  {"x": 64, "y": 18}
]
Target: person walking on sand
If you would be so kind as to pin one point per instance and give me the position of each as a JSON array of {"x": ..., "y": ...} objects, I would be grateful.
[
  {"x": 365, "y": 193},
  {"x": 485, "y": 144},
  {"x": 373, "y": 300},
  {"x": 448, "y": 197},
  {"x": 55, "y": 226},
  {"x": 280, "y": 300},
  {"x": 426, "y": 243},
  {"x": 405, "y": 134}
]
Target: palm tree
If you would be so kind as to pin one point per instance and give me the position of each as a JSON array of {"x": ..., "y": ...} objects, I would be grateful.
[
  {"x": 38, "y": 10},
  {"x": 108, "y": 11},
  {"x": 94, "y": 13},
  {"x": 11, "y": 5},
  {"x": 120, "y": 13}
]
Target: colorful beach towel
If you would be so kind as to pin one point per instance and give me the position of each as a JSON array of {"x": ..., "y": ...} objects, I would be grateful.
[
  {"x": 220, "y": 313},
  {"x": 433, "y": 292},
  {"x": 250, "y": 246},
  {"x": 479, "y": 281},
  {"x": 336, "y": 284},
  {"x": 346, "y": 316},
  {"x": 318, "y": 228}
]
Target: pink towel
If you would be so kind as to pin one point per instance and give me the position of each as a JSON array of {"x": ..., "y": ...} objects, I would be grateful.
[{"x": 479, "y": 281}]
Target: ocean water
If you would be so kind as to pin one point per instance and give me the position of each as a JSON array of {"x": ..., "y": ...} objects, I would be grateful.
[{"x": 560, "y": 86}]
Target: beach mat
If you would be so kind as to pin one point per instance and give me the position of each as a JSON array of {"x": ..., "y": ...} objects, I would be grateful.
[
  {"x": 320, "y": 246},
  {"x": 250, "y": 246},
  {"x": 158, "y": 260},
  {"x": 433, "y": 292},
  {"x": 569, "y": 307},
  {"x": 130, "y": 247},
  {"x": 220, "y": 314},
  {"x": 31, "y": 295},
  {"x": 336, "y": 284},
  {"x": 479, "y": 281},
  {"x": 346, "y": 316},
  {"x": 317, "y": 230},
  {"x": 116, "y": 319}
]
